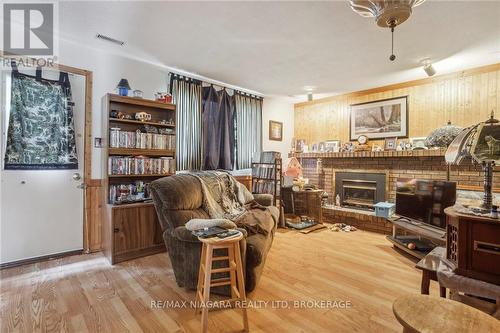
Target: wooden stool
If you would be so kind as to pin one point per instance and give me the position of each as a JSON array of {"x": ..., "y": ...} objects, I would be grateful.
[
  {"x": 421, "y": 313},
  {"x": 235, "y": 281},
  {"x": 429, "y": 265}
]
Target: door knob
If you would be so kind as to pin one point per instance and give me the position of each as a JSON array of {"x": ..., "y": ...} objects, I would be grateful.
[{"x": 76, "y": 176}]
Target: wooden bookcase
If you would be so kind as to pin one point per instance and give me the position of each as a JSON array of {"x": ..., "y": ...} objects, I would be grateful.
[
  {"x": 274, "y": 181},
  {"x": 131, "y": 229}
]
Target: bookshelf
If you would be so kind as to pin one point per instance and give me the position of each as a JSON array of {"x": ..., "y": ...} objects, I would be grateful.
[
  {"x": 136, "y": 153},
  {"x": 267, "y": 175}
]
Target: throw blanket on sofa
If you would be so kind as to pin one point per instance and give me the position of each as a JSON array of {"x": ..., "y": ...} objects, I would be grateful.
[{"x": 225, "y": 198}]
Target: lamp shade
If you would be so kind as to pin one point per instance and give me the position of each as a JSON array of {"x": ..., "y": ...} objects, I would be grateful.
[
  {"x": 123, "y": 84},
  {"x": 443, "y": 136}
]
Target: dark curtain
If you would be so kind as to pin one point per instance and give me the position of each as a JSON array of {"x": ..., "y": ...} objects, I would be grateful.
[{"x": 218, "y": 129}]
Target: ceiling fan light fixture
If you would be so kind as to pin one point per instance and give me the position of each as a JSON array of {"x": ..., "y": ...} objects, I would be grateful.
[{"x": 387, "y": 13}]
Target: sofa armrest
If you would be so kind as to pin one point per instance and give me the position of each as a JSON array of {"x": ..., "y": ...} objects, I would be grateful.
[
  {"x": 264, "y": 199},
  {"x": 182, "y": 234}
]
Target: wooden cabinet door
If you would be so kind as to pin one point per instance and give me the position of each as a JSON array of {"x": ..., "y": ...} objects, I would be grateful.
[{"x": 135, "y": 229}]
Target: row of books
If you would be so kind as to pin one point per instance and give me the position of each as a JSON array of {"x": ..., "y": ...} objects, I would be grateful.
[
  {"x": 140, "y": 165},
  {"x": 139, "y": 140},
  {"x": 129, "y": 193},
  {"x": 269, "y": 156},
  {"x": 261, "y": 186},
  {"x": 264, "y": 171}
]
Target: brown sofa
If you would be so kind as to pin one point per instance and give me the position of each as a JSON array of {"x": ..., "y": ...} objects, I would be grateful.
[{"x": 177, "y": 200}]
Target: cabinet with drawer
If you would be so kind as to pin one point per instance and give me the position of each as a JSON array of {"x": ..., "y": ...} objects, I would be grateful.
[{"x": 473, "y": 244}]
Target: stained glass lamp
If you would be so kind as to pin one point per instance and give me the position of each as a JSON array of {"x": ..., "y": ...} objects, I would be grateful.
[
  {"x": 481, "y": 143},
  {"x": 443, "y": 136}
]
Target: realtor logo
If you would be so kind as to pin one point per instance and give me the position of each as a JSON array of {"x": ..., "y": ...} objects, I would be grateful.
[{"x": 28, "y": 29}]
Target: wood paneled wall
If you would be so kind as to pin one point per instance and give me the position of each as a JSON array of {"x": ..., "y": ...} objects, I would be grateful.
[{"x": 465, "y": 98}]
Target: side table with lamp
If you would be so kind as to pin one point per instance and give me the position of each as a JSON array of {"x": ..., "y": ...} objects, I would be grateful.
[{"x": 473, "y": 233}]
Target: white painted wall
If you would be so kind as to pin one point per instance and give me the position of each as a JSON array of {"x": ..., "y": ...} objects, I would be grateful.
[
  {"x": 107, "y": 70},
  {"x": 278, "y": 109}
]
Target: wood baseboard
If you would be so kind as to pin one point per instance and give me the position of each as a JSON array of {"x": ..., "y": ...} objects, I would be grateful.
[{"x": 39, "y": 259}]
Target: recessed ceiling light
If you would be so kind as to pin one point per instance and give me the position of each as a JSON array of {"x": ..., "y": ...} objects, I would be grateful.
[
  {"x": 110, "y": 39},
  {"x": 309, "y": 88}
]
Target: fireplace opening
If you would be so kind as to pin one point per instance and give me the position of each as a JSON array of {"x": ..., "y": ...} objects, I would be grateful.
[
  {"x": 359, "y": 193},
  {"x": 360, "y": 190}
]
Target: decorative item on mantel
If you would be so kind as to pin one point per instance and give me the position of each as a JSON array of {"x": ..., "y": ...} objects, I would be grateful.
[
  {"x": 481, "y": 143},
  {"x": 443, "y": 136},
  {"x": 123, "y": 87}
]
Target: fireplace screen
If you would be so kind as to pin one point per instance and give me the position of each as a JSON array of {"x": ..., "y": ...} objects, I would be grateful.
[
  {"x": 359, "y": 193},
  {"x": 361, "y": 190}
]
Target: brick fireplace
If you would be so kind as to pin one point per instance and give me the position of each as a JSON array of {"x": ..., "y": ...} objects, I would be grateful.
[{"x": 422, "y": 164}]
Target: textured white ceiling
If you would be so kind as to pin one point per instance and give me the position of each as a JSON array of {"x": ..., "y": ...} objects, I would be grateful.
[{"x": 277, "y": 48}]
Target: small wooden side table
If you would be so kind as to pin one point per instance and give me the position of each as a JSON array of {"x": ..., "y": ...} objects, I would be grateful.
[
  {"x": 422, "y": 313},
  {"x": 235, "y": 280},
  {"x": 429, "y": 265},
  {"x": 303, "y": 202}
]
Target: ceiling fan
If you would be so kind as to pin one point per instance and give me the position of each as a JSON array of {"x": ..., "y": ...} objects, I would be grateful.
[{"x": 387, "y": 13}]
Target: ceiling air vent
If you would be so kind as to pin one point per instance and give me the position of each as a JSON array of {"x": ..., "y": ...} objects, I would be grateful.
[{"x": 110, "y": 39}]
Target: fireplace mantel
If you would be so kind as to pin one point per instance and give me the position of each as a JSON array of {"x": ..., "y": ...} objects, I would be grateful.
[{"x": 374, "y": 154}]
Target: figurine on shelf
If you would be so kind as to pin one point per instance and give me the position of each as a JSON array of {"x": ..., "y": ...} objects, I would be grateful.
[
  {"x": 163, "y": 97},
  {"x": 137, "y": 93},
  {"x": 123, "y": 87},
  {"x": 143, "y": 116}
]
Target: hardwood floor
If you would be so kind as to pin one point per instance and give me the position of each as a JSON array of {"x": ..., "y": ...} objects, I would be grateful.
[{"x": 85, "y": 294}]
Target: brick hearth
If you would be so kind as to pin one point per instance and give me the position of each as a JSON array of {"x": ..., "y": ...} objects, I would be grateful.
[{"x": 421, "y": 164}]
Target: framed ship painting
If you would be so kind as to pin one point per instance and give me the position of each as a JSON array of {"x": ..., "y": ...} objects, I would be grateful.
[{"x": 380, "y": 119}]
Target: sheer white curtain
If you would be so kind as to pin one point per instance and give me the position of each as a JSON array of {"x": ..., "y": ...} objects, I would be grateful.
[
  {"x": 186, "y": 95},
  {"x": 248, "y": 129}
]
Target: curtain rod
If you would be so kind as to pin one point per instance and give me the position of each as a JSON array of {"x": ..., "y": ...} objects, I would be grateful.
[{"x": 190, "y": 79}]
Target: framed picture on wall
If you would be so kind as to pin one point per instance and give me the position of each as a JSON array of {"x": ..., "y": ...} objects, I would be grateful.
[
  {"x": 275, "y": 130},
  {"x": 380, "y": 119}
]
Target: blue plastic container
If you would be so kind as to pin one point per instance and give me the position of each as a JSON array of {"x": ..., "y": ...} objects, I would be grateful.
[{"x": 385, "y": 209}]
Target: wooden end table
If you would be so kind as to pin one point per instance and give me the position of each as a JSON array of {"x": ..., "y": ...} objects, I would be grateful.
[{"x": 428, "y": 265}]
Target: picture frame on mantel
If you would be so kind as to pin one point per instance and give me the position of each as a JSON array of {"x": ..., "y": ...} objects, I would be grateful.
[
  {"x": 275, "y": 130},
  {"x": 379, "y": 119}
]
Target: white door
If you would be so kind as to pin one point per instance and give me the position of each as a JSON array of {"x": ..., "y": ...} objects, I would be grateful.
[{"x": 42, "y": 210}]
